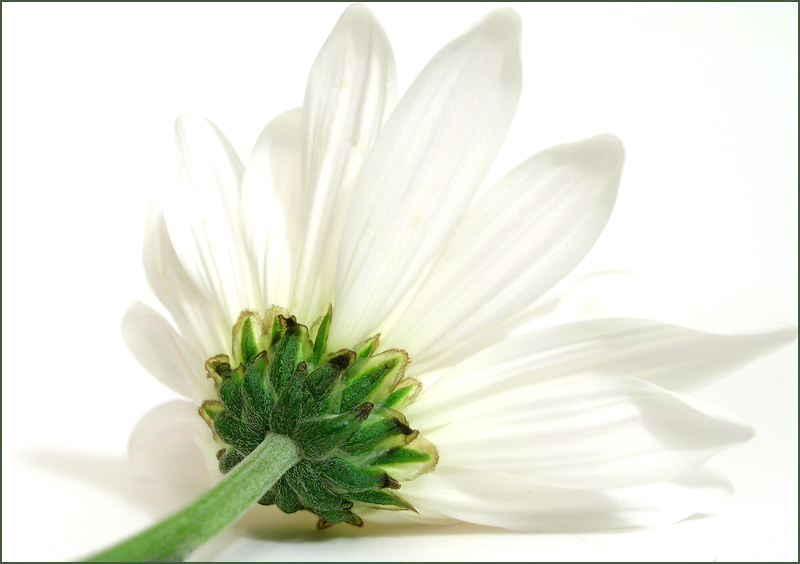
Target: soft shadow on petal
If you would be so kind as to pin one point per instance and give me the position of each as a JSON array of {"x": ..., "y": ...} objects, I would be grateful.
[
  {"x": 605, "y": 293},
  {"x": 521, "y": 238},
  {"x": 586, "y": 433},
  {"x": 424, "y": 169},
  {"x": 201, "y": 208},
  {"x": 173, "y": 444},
  {"x": 515, "y": 502},
  {"x": 675, "y": 358},
  {"x": 273, "y": 207},
  {"x": 198, "y": 319},
  {"x": 352, "y": 89},
  {"x": 164, "y": 353}
]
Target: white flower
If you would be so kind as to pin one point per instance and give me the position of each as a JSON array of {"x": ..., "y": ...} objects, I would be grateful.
[{"x": 372, "y": 206}]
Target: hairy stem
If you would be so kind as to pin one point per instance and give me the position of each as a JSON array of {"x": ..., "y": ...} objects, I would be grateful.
[{"x": 174, "y": 538}]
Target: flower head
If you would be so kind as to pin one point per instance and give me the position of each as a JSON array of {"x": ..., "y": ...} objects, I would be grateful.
[{"x": 371, "y": 207}]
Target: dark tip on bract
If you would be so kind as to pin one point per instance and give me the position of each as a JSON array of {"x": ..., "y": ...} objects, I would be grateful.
[
  {"x": 405, "y": 429},
  {"x": 362, "y": 411},
  {"x": 390, "y": 483},
  {"x": 343, "y": 359}
]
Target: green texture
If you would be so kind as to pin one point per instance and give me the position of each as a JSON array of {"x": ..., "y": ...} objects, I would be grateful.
[{"x": 331, "y": 404}]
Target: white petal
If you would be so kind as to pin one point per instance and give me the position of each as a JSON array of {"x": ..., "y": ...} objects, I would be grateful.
[
  {"x": 607, "y": 293},
  {"x": 200, "y": 321},
  {"x": 351, "y": 90},
  {"x": 201, "y": 208},
  {"x": 172, "y": 443},
  {"x": 164, "y": 353},
  {"x": 527, "y": 232},
  {"x": 593, "y": 433},
  {"x": 673, "y": 357},
  {"x": 425, "y": 167},
  {"x": 273, "y": 207},
  {"x": 594, "y": 295},
  {"x": 516, "y": 502}
]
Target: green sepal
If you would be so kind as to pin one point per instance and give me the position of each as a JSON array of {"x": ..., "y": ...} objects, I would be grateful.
[
  {"x": 219, "y": 368},
  {"x": 274, "y": 325},
  {"x": 343, "y": 476},
  {"x": 329, "y": 518},
  {"x": 268, "y": 498},
  {"x": 285, "y": 498},
  {"x": 229, "y": 459},
  {"x": 403, "y": 395},
  {"x": 234, "y": 432},
  {"x": 230, "y": 394},
  {"x": 385, "y": 429},
  {"x": 305, "y": 483},
  {"x": 258, "y": 402},
  {"x": 319, "y": 437},
  {"x": 380, "y": 500},
  {"x": 340, "y": 409},
  {"x": 321, "y": 337},
  {"x": 408, "y": 462},
  {"x": 291, "y": 403},
  {"x": 209, "y": 409},
  {"x": 321, "y": 380},
  {"x": 246, "y": 338},
  {"x": 373, "y": 378},
  {"x": 287, "y": 355},
  {"x": 401, "y": 456},
  {"x": 367, "y": 346}
]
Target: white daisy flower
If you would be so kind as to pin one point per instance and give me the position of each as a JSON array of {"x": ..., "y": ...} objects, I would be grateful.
[{"x": 359, "y": 215}]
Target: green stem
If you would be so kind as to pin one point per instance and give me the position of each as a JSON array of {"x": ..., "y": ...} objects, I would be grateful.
[{"x": 174, "y": 538}]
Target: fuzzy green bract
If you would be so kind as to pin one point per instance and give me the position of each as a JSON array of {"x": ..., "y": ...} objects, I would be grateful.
[{"x": 343, "y": 409}]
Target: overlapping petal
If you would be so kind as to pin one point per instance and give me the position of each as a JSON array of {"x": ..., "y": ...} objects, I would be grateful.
[
  {"x": 354, "y": 201},
  {"x": 199, "y": 319},
  {"x": 673, "y": 357},
  {"x": 273, "y": 207},
  {"x": 352, "y": 88},
  {"x": 528, "y": 232},
  {"x": 171, "y": 443},
  {"x": 165, "y": 353},
  {"x": 425, "y": 167},
  {"x": 201, "y": 209},
  {"x": 592, "y": 433},
  {"x": 519, "y": 503}
]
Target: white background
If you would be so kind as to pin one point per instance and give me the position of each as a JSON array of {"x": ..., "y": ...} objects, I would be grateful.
[{"x": 704, "y": 97}]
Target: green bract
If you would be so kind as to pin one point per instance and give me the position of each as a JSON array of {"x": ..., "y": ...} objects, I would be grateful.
[{"x": 342, "y": 409}]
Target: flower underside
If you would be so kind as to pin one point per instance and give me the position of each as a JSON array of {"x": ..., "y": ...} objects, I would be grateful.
[{"x": 342, "y": 409}]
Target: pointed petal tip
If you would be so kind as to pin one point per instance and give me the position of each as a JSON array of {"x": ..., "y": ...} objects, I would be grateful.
[
  {"x": 191, "y": 127},
  {"x": 355, "y": 14},
  {"x": 184, "y": 121},
  {"x": 357, "y": 9},
  {"x": 609, "y": 144},
  {"x": 503, "y": 24},
  {"x": 726, "y": 428}
]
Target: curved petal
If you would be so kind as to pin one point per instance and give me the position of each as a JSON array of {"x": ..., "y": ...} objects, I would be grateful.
[
  {"x": 589, "y": 433},
  {"x": 273, "y": 207},
  {"x": 201, "y": 209},
  {"x": 527, "y": 232},
  {"x": 172, "y": 443},
  {"x": 673, "y": 357},
  {"x": 425, "y": 167},
  {"x": 352, "y": 89},
  {"x": 164, "y": 353},
  {"x": 516, "y": 502},
  {"x": 199, "y": 320},
  {"x": 599, "y": 294}
]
